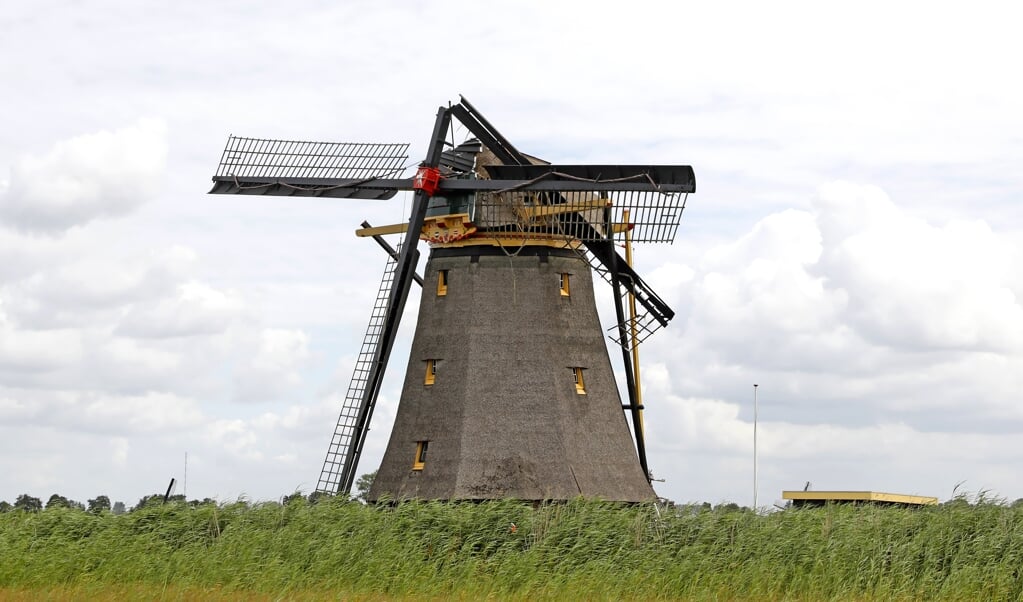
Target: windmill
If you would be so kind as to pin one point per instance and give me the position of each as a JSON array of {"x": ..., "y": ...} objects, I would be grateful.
[{"x": 509, "y": 389}]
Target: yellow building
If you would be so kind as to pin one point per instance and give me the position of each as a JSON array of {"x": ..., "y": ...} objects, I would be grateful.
[{"x": 819, "y": 498}]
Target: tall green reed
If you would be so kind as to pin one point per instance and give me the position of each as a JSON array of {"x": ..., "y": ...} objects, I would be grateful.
[{"x": 580, "y": 549}]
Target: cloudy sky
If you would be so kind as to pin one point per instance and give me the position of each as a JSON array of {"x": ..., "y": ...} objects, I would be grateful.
[{"x": 855, "y": 245}]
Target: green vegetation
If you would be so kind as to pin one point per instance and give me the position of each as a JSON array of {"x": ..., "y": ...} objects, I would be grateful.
[{"x": 581, "y": 550}]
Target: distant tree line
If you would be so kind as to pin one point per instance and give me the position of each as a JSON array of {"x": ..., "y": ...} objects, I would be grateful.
[
  {"x": 97, "y": 505},
  {"x": 101, "y": 503},
  {"x": 28, "y": 503}
]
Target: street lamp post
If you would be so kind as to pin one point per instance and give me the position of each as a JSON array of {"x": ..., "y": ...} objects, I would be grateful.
[{"x": 755, "y": 410}]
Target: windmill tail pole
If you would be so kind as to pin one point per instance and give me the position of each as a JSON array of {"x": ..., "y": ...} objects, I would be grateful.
[
  {"x": 632, "y": 328},
  {"x": 634, "y": 406}
]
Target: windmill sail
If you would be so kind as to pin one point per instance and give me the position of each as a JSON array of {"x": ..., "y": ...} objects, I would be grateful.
[
  {"x": 352, "y": 424},
  {"x": 301, "y": 168}
]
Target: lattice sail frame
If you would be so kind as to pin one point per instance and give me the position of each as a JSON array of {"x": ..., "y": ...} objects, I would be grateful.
[
  {"x": 268, "y": 158},
  {"x": 654, "y": 217},
  {"x": 581, "y": 202}
]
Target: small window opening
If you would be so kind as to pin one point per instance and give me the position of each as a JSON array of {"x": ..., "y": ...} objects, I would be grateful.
[
  {"x": 442, "y": 283},
  {"x": 565, "y": 291},
  {"x": 580, "y": 385},
  {"x": 420, "y": 460},
  {"x": 431, "y": 372}
]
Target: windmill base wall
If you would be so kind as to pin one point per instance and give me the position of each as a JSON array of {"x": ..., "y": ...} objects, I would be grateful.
[{"x": 503, "y": 418}]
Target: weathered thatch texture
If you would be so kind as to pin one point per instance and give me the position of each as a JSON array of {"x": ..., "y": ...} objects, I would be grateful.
[{"x": 503, "y": 418}]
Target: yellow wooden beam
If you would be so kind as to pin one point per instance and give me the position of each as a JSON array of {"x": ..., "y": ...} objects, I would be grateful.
[
  {"x": 401, "y": 228},
  {"x": 632, "y": 322},
  {"x": 497, "y": 239},
  {"x": 557, "y": 209},
  {"x": 382, "y": 230}
]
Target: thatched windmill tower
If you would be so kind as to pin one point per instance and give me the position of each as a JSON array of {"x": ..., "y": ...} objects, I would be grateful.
[{"x": 509, "y": 389}]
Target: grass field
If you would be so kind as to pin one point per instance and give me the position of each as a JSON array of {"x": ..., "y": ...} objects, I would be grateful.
[{"x": 579, "y": 550}]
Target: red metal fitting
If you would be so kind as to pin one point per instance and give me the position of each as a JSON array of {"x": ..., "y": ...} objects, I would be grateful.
[{"x": 427, "y": 179}]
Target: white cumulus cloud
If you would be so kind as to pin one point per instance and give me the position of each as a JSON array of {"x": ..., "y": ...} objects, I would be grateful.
[
  {"x": 912, "y": 284},
  {"x": 274, "y": 368},
  {"x": 108, "y": 173},
  {"x": 853, "y": 312}
]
